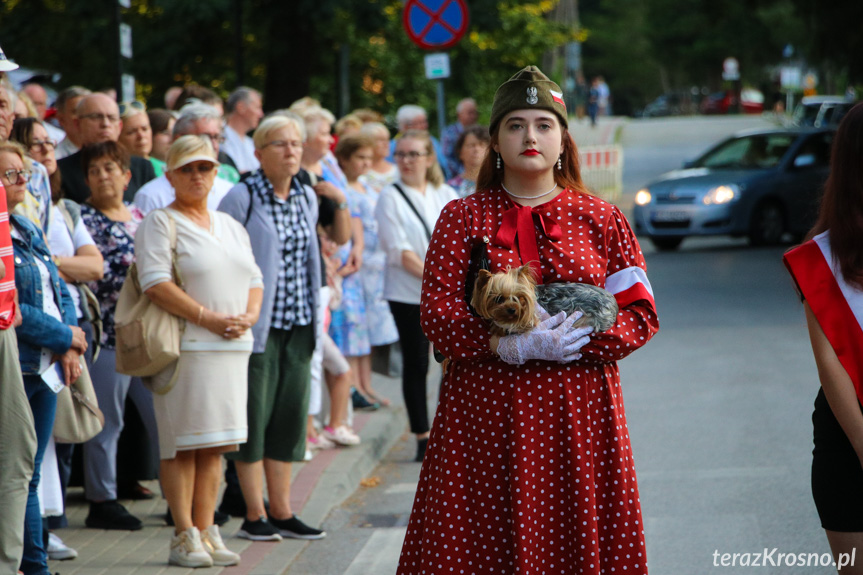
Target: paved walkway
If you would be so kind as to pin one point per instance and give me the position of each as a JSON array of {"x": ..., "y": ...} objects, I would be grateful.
[
  {"x": 605, "y": 132},
  {"x": 319, "y": 486}
]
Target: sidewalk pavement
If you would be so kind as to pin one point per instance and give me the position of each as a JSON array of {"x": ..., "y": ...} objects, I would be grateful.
[
  {"x": 606, "y": 132},
  {"x": 318, "y": 487}
]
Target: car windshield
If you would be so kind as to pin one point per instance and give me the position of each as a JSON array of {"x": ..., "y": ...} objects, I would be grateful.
[
  {"x": 761, "y": 151},
  {"x": 805, "y": 114}
]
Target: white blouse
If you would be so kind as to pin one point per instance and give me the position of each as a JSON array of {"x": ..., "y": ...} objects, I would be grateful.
[
  {"x": 400, "y": 230},
  {"x": 217, "y": 266}
]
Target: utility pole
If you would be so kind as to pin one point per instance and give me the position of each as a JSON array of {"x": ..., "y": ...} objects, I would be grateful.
[{"x": 566, "y": 59}]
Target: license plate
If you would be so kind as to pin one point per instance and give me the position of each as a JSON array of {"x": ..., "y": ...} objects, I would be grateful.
[{"x": 669, "y": 216}]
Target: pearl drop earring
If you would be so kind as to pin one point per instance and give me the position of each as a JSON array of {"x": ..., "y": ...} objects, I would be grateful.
[
  {"x": 559, "y": 163},
  {"x": 498, "y": 161}
]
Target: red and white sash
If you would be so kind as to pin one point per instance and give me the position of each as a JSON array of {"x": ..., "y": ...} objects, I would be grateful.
[
  {"x": 7, "y": 283},
  {"x": 836, "y": 304}
]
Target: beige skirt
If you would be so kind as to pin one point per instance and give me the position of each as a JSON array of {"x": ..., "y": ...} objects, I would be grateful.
[{"x": 207, "y": 406}]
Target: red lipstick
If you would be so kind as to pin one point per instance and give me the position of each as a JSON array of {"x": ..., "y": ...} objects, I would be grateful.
[{"x": 530, "y": 153}]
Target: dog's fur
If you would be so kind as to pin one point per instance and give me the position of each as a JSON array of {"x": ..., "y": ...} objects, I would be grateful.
[{"x": 509, "y": 300}]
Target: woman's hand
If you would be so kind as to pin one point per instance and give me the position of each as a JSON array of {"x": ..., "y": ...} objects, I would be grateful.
[
  {"x": 70, "y": 362},
  {"x": 227, "y": 326},
  {"x": 353, "y": 263},
  {"x": 552, "y": 340},
  {"x": 79, "y": 339},
  {"x": 327, "y": 190}
]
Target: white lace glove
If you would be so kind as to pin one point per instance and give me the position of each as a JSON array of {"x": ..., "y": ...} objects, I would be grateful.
[{"x": 552, "y": 340}]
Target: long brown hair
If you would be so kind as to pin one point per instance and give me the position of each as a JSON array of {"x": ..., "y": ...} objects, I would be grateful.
[
  {"x": 568, "y": 177},
  {"x": 841, "y": 209}
]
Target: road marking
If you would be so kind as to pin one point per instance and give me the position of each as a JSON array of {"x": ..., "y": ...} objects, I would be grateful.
[
  {"x": 380, "y": 554},
  {"x": 402, "y": 488},
  {"x": 719, "y": 473}
]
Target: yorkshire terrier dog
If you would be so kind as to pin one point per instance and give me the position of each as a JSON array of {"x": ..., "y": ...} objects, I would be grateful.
[{"x": 509, "y": 300}]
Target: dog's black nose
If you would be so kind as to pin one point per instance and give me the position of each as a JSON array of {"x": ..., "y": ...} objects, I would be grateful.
[{"x": 510, "y": 310}]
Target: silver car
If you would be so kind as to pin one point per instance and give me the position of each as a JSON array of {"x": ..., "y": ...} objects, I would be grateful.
[{"x": 761, "y": 184}]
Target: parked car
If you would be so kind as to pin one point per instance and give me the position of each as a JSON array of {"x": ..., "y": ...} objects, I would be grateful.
[
  {"x": 821, "y": 111},
  {"x": 762, "y": 184},
  {"x": 664, "y": 105},
  {"x": 751, "y": 102}
]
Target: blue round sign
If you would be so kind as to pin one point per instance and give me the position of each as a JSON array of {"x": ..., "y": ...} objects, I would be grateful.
[{"x": 435, "y": 24}]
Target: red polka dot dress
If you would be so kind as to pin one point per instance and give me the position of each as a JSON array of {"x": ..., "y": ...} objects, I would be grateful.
[{"x": 529, "y": 469}]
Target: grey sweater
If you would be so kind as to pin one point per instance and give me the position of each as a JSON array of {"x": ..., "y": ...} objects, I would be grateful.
[{"x": 267, "y": 250}]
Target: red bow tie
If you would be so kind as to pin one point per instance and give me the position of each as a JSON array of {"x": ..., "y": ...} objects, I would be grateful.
[{"x": 518, "y": 223}]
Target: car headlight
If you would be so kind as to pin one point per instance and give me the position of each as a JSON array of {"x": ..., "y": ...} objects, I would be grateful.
[
  {"x": 642, "y": 197},
  {"x": 722, "y": 194}
]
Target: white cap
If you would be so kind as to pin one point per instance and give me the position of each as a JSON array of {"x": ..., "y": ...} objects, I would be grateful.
[
  {"x": 6, "y": 65},
  {"x": 194, "y": 158}
]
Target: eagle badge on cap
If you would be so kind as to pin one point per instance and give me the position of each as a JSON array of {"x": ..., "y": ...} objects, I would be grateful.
[{"x": 531, "y": 96}]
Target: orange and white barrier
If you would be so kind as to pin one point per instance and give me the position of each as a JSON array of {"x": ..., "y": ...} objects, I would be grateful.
[{"x": 602, "y": 170}]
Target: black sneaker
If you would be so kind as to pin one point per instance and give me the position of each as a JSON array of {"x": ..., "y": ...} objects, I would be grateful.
[
  {"x": 296, "y": 529},
  {"x": 111, "y": 515},
  {"x": 219, "y": 518},
  {"x": 361, "y": 403},
  {"x": 260, "y": 530},
  {"x": 235, "y": 505}
]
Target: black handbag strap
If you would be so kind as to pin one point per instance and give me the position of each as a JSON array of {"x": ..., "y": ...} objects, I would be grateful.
[{"x": 414, "y": 209}]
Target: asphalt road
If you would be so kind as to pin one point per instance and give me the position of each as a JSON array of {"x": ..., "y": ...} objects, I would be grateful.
[{"x": 718, "y": 404}]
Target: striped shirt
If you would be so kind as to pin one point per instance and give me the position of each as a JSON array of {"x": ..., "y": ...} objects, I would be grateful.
[{"x": 7, "y": 281}]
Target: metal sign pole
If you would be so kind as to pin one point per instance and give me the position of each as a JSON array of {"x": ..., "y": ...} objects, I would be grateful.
[{"x": 441, "y": 110}]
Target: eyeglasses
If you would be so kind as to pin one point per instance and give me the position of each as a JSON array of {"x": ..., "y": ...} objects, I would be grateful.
[
  {"x": 44, "y": 144},
  {"x": 132, "y": 107},
  {"x": 215, "y": 138},
  {"x": 110, "y": 118},
  {"x": 189, "y": 169},
  {"x": 284, "y": 144},
  {"x": 17, "y": 176},
  {"x": 409, "y": 155}
]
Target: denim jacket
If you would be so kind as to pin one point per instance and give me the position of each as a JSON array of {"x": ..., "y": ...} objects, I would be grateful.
[{"x": 38, "y": 330}]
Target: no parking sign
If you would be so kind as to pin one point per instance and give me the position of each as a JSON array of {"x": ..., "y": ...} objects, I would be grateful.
[{"x": 435, "y": 24}]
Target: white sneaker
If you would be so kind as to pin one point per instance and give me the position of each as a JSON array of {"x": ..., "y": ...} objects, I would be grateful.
[
  {"x": 342, "y": 435},
  {"x": 320, "y": 442},
  {"x": 188, "y": 551},
  {"x": 59, "y": 551},
  {"x": 213, "y": 544}
]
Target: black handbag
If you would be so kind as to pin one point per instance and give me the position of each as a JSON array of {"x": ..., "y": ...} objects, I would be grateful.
[{"x": 478, "y": 261}]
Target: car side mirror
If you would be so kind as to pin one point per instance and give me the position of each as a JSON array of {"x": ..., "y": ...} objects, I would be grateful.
[{"x": 804, "y": 160}]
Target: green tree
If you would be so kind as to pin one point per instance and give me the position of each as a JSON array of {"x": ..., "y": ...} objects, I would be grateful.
[
  {"x": 832, "y": 37},
  {"x": 618, "y": 48}
]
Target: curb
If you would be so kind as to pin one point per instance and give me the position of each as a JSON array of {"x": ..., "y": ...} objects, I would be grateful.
[{"x": 336, "y": 477}]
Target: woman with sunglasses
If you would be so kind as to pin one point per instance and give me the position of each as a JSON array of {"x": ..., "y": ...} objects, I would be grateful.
[
  {"x": 203, "y": 414},
  {"x": 78, "y": 261},
  {"x": 49, "y": 340}
]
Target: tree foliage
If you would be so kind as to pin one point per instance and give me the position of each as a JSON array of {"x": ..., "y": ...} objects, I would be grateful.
[{"x": 292, "y": 48}]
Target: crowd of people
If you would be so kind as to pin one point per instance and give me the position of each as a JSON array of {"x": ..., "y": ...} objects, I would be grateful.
[
  {"x": 286, "y": 242},
  {"x": 289, "y": 245}
]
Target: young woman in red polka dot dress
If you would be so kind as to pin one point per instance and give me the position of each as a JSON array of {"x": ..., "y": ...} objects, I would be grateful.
[{"x": 529, "y": 468}]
